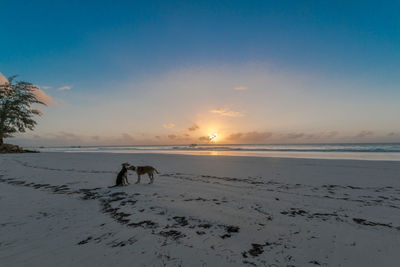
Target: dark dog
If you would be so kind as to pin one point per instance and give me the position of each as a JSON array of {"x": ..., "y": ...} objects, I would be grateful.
[{"x": 122, "y": 177}]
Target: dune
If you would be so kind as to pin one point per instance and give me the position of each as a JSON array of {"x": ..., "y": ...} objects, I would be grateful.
[{"x": 58, "y": 209}]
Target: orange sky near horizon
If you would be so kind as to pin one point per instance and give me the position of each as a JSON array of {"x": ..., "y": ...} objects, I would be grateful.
[{"x": 249, "y": 104}]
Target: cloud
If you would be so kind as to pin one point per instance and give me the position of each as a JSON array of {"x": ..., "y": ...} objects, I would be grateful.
[
  {"x": 316, "y": 136},
  {"x": 127, "y": 137},
  {"x": 328, "y": 134},
  {"x": 364, "y": 134},
  {"x": 255, "y": 137},
  {"x": 295, "y": 135},
  {"x": 168, "y": 125},
  {"x": 43, "y": 97},
  {"x": 241, "y": 88},
  {"x": 67, "y": 87},
  {"x": 172, "y": 136},
  {"x": 227, "y": 112},
  {"x": 394, "y": 134},
  {"x": 176, "y": 138},
  {"x": 249, "y": 137},
  {"x": 204, "y": 139},
  {"x": 58, "y": 138},
  {"x": 66, "y": 138},
  {"x": 39, "y": 93},
  {"x": 194, "y": 127},
  {"x": 3, "y": 79},
  {"x": 68, "y": 135}
]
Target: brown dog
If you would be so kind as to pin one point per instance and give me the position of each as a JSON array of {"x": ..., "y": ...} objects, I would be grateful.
[{"x": 140, "y": 170}]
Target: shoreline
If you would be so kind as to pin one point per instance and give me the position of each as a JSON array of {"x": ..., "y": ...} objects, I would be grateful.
[{"x": 371, "y": 156}]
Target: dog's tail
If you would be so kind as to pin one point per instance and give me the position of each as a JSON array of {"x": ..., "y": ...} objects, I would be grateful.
[{"x": 155, "y": 170}]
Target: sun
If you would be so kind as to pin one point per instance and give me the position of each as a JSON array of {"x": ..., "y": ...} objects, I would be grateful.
[{"x": 213, "y": 137}]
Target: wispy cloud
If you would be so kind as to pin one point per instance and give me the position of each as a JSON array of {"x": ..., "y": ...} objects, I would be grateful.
[
  {"x": 168, "y": 125},
  {"x": 364, "y": 134},
  {"x": 127, "y": 137},
  {"x": 68, "y": 135},
  {"x": 38, "y": 92},
  {"x": 194, "y": 127},
  {"x": 250, "y": 137},
  {"x": 241, "y": 88},
  {"x": 64, "y": 88},
  {"x": 175, "y": 138},
  {"x": 296, "y": 135},
  {"x": 172, "y": 136},
  {"x": 43, "y": 97},
  {"x": 227, "y": 112},
  {"x": 95, "y": 137},
  {"x": 3, "y": 79},
  {"x": 316, "y": 136},
  {"x": 328, "y": 134},
  {"x": 204, "y": 139},
  {"x": 394, "y": 134},
  {"x": 66, "y": 138}
]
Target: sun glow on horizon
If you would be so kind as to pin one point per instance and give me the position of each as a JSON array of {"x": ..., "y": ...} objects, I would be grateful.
[{"x": 213, "y": 137}]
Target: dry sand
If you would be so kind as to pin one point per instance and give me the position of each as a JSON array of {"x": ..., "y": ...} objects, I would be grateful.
[{"x": 57, "y": 210}]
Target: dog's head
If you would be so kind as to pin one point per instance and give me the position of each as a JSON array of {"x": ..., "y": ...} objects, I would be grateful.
[
  {"x": 132, "y": 168},
  {"x": 125, "y": 164}
]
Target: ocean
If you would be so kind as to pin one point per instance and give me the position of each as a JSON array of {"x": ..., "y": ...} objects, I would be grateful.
[{"x": 381, "y": 151}]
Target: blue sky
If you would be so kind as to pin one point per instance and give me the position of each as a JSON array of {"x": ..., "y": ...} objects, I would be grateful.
[{"x": 102, "y": 51}]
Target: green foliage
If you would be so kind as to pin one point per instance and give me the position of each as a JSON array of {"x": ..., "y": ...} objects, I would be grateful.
[{"x": 16, "y": 110}]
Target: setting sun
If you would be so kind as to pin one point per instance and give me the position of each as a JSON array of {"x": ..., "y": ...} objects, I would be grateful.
[{"x": 213, "y": 137}]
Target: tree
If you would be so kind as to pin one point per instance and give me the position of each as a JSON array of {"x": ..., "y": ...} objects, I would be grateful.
[{"x": 16, "y": 110}]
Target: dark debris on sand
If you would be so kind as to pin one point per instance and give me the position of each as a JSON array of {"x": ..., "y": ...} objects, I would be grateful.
[
  {"x": 256, "y": 249},
  {"x": 369, "y": 223},
  {"x": 180, "y": 220},
  {"x": 172, "y": 234},
  {"x": 145, "y": 224},
  {"x": 85, "y": 240}
]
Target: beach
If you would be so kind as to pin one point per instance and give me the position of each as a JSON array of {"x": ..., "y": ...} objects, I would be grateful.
[{"x": 57, "y": 209}]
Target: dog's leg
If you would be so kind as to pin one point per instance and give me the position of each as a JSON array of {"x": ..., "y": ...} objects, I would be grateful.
[
  {"x": 138, "y": 179},
  {"x": 151, "y": 180}
]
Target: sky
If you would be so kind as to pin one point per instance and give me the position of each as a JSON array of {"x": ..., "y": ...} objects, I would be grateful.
[{"x": 181, "y": 72}]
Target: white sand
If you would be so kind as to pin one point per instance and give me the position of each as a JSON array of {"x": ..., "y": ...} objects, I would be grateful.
[{"x": 201, "y": 211}]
